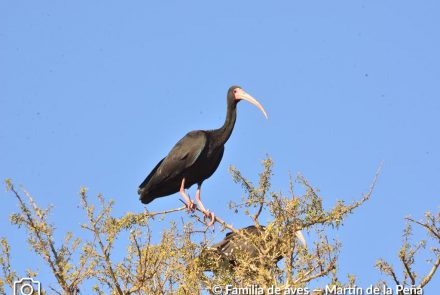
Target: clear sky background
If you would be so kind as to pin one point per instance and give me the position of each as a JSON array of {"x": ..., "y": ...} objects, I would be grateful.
[{"x": 96, "y": 94}]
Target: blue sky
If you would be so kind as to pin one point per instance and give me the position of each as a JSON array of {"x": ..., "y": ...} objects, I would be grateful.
[{"x": 96, "y": 94}]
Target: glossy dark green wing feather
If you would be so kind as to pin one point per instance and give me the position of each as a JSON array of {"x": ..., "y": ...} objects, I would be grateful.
[{"x": 181, "y": 157}]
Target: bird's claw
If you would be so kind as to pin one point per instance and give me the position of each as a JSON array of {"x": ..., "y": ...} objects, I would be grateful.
[
  {"x": 210, "y": 215},
  {"x": 191, "y": 206}
]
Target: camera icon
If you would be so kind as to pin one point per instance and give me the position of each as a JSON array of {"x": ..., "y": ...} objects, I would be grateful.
[{"x": 26, "y": 286}]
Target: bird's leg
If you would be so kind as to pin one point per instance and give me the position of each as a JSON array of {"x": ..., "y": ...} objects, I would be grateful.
[
  {"x": 202, "y": 208},
  {"x": 189, "y": 204}
]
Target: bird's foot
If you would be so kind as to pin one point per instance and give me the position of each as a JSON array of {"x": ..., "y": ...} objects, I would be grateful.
[
  {"x": 191, "y": 206},
  {"x": 209, "y": 215}
]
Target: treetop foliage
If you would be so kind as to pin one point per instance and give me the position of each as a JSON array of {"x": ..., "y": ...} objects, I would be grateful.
[{"x": 184, "y": 260}]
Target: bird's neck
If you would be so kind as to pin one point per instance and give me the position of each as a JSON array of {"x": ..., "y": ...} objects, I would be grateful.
[{"x": 223, "y": 133}]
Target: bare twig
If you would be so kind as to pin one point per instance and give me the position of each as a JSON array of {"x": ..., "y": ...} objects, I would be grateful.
[
  {"x": 431, "y": 273},
  {"x": 425, "y": 225},
  {"x": 218, "y": 219},
  {"x": 152, "y": 214}
]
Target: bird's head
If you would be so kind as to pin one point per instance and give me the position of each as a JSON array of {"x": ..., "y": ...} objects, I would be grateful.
[{"x": 236, "y": 94}]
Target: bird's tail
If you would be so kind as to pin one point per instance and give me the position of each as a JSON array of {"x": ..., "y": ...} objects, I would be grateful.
[{"x": 144, "y": 196}]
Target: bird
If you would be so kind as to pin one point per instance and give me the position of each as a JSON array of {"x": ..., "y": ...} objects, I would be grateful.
[
  {"x": 225, "y": 254},
  {"x": 194, "y": 158}
]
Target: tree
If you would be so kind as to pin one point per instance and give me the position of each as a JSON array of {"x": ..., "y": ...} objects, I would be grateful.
[{"x": 178, "y": 263}]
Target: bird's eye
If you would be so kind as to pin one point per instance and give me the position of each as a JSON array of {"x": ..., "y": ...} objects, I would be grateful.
[{"x": 235, "y": 90}]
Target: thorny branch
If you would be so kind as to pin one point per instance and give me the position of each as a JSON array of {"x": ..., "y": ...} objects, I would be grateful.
[
  {"x": 126, "y": 255},
  {"x": 408, "y": 252}
]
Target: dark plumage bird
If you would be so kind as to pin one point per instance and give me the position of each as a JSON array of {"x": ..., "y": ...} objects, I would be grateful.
[
  {"x": 194, "y": 158},
  {"x": 226, "y": 253}
]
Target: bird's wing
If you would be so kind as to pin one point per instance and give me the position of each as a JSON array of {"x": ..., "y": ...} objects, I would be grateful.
[
  {"x": 189, "y": 147},
  {"x": 144, "y": 183},
  {"x": 232, "y": 235},
  {"x": 233, "y": 242},
  {"x": 181, "y": 157}
]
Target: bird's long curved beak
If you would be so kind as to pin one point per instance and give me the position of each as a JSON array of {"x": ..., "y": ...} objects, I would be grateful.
[
  {"x": 301, "y": 238},
  {"x": 241, "y": 94}
]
